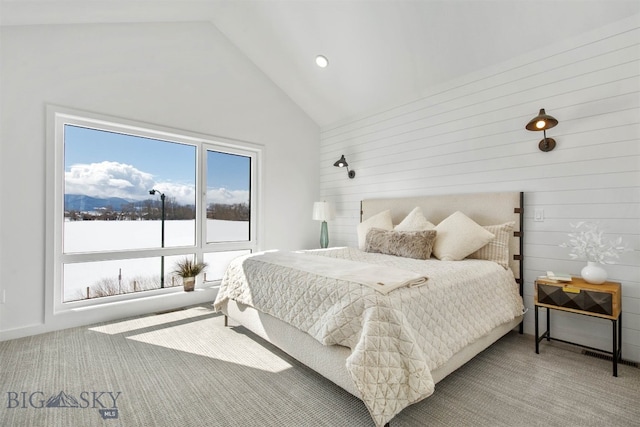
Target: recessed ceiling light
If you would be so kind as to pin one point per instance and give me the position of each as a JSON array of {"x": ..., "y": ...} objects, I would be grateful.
[{"x": 322, "y": 61}]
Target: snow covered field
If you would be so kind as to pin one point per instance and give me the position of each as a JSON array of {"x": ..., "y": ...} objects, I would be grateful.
[{"x": 120, "y": 275}]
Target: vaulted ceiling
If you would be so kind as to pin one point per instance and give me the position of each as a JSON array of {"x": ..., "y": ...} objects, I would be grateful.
[{"x": 382, "y": 53}]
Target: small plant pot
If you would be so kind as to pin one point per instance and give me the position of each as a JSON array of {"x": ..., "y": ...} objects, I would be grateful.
[{"x": 189, "y": 283}]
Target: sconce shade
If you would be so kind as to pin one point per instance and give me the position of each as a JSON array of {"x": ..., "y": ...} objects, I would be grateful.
[
  {"x": 342, "y": 163},
  {"x": 542, "y": 121},
  {"x": 322, "y": 211}
]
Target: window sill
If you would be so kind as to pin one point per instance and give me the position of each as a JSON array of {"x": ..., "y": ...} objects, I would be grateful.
[{"x": 68, "y": 317}]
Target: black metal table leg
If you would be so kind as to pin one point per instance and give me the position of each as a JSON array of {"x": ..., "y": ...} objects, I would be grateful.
[
  {"x": 537, "y": 338},
  {"x": 548, "y": 324},
  {"x": 620, "y": 335},
  {"x": 614, "y": 352}
]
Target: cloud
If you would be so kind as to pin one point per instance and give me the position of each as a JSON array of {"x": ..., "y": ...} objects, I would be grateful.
[
  {"x": 183, "y": 194},
  {"x": 112, "y": 179},
  {"x": 224, "y": 196},
  {"x": 107, "y": 179}
]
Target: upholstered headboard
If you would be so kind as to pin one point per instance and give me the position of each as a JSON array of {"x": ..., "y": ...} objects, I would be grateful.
[{"x": 483, "y": 208}]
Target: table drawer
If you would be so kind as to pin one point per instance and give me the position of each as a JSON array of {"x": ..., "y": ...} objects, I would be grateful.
[{"x": 585, "y": 300}]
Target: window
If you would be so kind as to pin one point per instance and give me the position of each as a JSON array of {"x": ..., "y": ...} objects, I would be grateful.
[{"x": 130, "y": 200}]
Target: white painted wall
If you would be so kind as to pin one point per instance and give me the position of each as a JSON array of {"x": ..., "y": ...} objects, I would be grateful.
[
  {"x": 468, "y": 136},
  {"x": 184, "y": 76}
]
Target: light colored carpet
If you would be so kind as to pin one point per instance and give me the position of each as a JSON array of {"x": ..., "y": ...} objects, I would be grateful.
[{"x": 185, "y": 368}]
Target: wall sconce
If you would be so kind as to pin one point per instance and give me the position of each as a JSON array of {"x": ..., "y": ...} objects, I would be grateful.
[
  {"x": 542, "y": 122},
  {"x": 342, "y": 163}
]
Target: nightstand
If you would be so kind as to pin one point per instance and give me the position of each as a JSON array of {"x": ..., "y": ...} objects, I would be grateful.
[{"x": 603, "y": 301}]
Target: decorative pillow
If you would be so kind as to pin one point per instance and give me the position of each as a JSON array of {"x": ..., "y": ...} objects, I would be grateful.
[
  {"x": 415, "y": 221},
  {"x": 408, "y": 244},
  {"x": 380, "y": 220},
  {"x": 458, "y": 236},
  {"x": 496, "y": 250}
]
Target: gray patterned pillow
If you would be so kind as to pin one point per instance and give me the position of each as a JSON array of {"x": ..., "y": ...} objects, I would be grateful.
[
  {"x": 408, "y": 244},
  {"x": 496, "y": 250}
]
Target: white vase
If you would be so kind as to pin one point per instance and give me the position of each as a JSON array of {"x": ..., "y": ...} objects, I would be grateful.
[{"x": 594, "y": 273}]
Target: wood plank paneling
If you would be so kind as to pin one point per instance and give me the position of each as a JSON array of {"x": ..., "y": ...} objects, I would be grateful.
[{"x": 468, "y": 136}]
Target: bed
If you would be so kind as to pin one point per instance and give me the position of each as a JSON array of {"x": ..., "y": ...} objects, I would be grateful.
[{"x": 390, "y": 347}]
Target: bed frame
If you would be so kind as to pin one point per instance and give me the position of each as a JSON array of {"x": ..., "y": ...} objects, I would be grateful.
[{"x": 329, "y": 361}]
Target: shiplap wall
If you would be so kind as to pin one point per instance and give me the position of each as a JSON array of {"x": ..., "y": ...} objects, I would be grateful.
[{"x": 468, "y": 136}]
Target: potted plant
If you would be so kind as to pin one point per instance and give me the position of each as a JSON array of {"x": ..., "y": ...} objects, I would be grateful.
[{"x": 188, "y": 269}]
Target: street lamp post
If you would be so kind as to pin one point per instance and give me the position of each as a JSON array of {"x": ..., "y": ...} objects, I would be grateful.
[{"x": 162, "y": 197}]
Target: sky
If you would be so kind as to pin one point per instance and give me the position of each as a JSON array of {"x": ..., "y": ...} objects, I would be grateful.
[{"x": 107, "y": 164}]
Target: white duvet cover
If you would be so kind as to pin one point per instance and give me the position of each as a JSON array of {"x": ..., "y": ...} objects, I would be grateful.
[{"x": 396, "y": 339}]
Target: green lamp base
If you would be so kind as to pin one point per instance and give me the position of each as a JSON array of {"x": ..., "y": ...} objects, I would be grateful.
[{"x": 324, "y": 235}]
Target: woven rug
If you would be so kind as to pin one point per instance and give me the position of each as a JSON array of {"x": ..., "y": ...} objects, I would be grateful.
[{"x": 184, "y": 368}]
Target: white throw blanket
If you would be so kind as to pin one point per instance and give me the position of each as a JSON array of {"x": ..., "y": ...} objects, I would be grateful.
[
  {"x": 396, "y": 339},
  {"x": 383, "y": 279}
]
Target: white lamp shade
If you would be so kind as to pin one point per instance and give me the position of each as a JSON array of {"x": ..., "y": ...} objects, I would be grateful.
[{"x": 322, "y": 211}]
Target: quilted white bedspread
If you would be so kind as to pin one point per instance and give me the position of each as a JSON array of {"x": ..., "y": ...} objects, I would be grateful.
[{"x": 395, "y": 339}]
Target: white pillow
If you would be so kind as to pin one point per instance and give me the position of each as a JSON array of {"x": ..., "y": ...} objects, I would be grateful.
[
  {"x": 458, "y": 236},
  {"x": 380, "y": 220},
  {"x": 415, "y": 221}
]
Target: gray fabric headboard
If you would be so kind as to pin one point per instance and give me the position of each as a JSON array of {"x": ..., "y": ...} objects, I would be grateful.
[{"x": 483, "y": 208}]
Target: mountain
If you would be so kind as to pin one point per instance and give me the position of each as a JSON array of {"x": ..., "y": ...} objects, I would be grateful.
[
  {"x": 80, "y": 202},
  {"x": 62, "y": 400}
]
